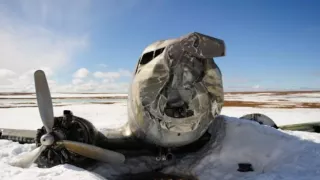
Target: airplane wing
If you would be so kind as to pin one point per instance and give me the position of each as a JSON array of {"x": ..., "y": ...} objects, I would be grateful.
[
  {"x": 309, "y": 127},
  {"x": 28, "y": 136},
  {"x": 265, "y": 120},
  {"x": 18, "y": 135}
]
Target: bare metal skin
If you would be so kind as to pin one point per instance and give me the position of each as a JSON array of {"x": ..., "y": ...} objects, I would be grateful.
[{"x": 176, "y": 91}]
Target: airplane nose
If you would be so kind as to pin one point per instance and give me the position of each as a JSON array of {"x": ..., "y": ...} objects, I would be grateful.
[{"x": 186, "y": 72}]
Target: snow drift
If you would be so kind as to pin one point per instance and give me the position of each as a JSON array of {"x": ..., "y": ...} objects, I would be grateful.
[{"x": 274, "y": 154}]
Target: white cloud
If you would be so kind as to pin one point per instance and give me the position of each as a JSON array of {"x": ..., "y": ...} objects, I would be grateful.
[
  {"x": 23, "y": 81},
  {"x": 103, "y": 65},
  {"x": 107, "y": 75},
  {"x": 81, "y": 73},
  {"x": 257, "y": 86},
  {"x": 126, "y": 73},
  {"x": 6, "y": 73},
  {"x": 6, "y": 76},
  {"x": 93, "y": 87},
  {"x": 99, "y": 82},
  {"x": 103, "y": 82},
  {"x": 47, "y": 35},
  {"x": 30, "y": 40},
  {"x": 106, "y": 81},
  {"x": 90, "y": 86},
  {"x": 29, "y": 74},
  {"x": 77, "y": 81},
  {"x": 111, "y": 76},
  {"x": 24, "y": 48},
  {"x": 98, "y": 74}
]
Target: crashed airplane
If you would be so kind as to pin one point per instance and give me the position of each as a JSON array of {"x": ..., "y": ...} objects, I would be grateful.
[{"x": 174, "y": 105}]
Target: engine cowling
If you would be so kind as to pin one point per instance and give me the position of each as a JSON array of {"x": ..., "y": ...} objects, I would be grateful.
[{"x": 67, "y": 127}]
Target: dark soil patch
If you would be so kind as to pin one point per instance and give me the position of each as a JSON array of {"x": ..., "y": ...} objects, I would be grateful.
[{"x": 270, "y": 105}]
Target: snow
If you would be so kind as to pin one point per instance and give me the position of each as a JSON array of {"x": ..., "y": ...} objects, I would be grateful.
[
  {"x": 102, "y": 116},
  {"x": 106, "y": 116},
  {"x": 29, "y": 100},
  {"x": 63, "y": 95},
  {"x": 279, "y": 116},
  {"x": 10, "y": 150},
  {"x": 274, "y": 154}
]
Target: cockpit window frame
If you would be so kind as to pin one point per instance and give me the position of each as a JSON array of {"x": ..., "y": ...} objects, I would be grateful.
[
  {"x": 158, "y": 52},
  {"x": 146, "y": 58},
  {"x": 155, "y": 53}
]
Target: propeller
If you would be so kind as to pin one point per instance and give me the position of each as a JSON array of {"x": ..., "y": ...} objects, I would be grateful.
[
  {"x": 93, "y": 152},
  {"x": 46, "y": 113},
  {"x": 44, "y": 100}
]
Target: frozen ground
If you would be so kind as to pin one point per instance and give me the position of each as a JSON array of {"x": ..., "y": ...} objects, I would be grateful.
[
  {"x": 303, "y": 99},
  {"x": 274, "y": 154},
  {"x": 9, "y": 100},
  {"x": 61, "y": 95},
  {"x": 280, "y": 116},
  {"x": 275, "y": 97}
]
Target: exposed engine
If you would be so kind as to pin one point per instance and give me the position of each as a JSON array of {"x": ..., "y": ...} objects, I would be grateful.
[{"x": 66, "y": 127}]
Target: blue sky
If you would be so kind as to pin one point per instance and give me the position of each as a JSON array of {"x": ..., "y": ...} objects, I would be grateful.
[{"x": 94, "y": 45}]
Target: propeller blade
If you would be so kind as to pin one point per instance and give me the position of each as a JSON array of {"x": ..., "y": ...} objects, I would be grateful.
[
  {"x": 27, "y": 159},
  {"x": 93, "y": 152},
  {"x": 44, "y": 100}
]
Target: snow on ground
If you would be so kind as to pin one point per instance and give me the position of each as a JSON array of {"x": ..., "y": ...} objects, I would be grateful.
[
  {"x": 274, "y": 154},
  {"x": 114, "y": 115},
  {"x": 62, "y": 95},
  {"x": 101, "y": 115},
  {"x": 279, "y": 116},
  {"x": 59, "y": 99},
  {"x": 10, "y": 150},
  {"x": 274, "y": 99}
]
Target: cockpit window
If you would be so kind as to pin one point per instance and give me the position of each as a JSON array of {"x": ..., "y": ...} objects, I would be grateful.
[
  {"x": 147, "y": 57},
  {"x": 158, "y": 51}
]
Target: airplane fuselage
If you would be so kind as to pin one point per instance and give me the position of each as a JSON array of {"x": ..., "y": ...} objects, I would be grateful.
[{"x": 176, "y": 91}]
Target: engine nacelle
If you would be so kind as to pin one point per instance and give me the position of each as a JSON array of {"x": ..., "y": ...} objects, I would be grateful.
[{"x": 67, "y": 127}]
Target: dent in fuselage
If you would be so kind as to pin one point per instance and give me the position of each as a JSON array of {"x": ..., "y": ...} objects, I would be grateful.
[{"x": 173, "y": 90}]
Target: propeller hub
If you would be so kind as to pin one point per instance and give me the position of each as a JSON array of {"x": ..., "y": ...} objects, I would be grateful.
[{"x": 47, "y": 140}]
